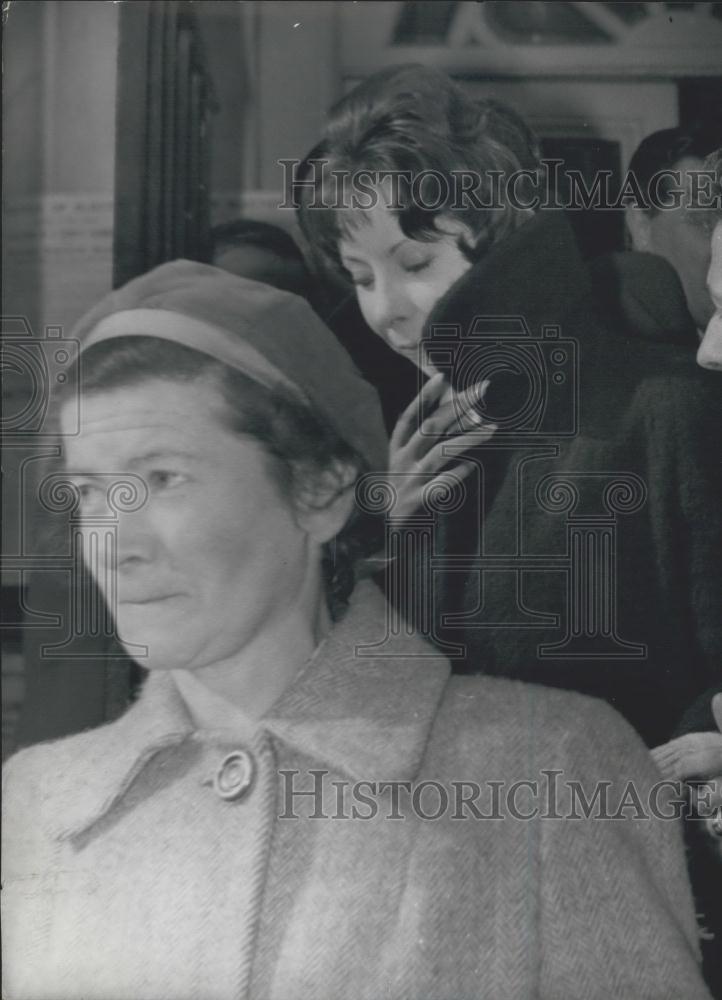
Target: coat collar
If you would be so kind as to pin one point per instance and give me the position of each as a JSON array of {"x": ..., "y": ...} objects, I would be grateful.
[
  {"x": 365, "y": 716},
  {"x": 538, "y": 273}
]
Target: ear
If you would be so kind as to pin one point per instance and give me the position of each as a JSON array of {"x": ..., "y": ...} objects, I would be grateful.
[
  {"x": 640, "y": 229},
  {"x": 717, "y": 710},
  {"x": 326, "y": 504}
]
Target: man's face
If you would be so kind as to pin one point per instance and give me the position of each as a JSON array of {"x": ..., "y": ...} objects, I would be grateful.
[
  {"x": 214, "y": 557},
  {"x": 676, "y": 235},
  {"x": 710, "y": 350}
]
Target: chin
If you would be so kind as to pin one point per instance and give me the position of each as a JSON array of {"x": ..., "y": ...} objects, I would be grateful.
[
  {"x": 152, "y": 649},
  {"x": 156, "y": 655},
  {"x": 709, "y": 354}
]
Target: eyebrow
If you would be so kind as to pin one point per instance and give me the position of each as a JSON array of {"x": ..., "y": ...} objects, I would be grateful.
[
  {"x": 163, "y": 453},
  {"x": 387, "y": 253},
  {"x": 148, "y": 456}
]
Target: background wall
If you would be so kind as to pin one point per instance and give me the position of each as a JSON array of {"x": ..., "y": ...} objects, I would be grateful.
[
  {"x": 223, "y": 27},
  {"x": 58, "y": 124},
  {"x": 59, "y": 146},
  {"x": 294, "y": 76}
]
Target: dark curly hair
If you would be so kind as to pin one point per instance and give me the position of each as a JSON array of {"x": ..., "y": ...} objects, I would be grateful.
[
  {"x": 298, "y": 442},
  {"x": 417, "y": 121},
  {"x": 665, "y": 149}
]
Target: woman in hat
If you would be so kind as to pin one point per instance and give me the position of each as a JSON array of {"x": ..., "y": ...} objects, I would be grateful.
[{"x": 286, "y": 812}]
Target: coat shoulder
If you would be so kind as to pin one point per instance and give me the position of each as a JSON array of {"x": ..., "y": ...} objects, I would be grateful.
[
  {"x": 35, "y": 779},
  {"x": 513, "y": 703},
  {"x": 513, "y": 721},
  {"x": 38, "y": 763}
]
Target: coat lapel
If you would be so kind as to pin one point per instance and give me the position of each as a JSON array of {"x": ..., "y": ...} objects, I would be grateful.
[
  {"x": 358, "y": 714},
  {"x": 361, "y": 714},
  {"x": 110, "y": 758}
]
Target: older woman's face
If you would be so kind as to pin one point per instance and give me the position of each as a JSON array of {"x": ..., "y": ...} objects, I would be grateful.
[{"x": 214, "y": 555}]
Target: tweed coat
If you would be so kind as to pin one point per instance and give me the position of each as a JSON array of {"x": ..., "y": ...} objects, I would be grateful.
[{"x": 127, "y": 877}]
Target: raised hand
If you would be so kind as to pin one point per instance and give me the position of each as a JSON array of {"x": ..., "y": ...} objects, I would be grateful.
[
  {"x": 417, "y": 450},
  {"x": 696, "y": 758}
]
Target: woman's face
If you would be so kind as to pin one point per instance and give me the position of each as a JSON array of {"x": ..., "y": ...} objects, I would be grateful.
[
  {"x": 214, "y": 557},
  {"x": 399, "y": 280}
]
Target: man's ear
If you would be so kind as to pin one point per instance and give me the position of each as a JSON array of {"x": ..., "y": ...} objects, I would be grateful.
[
  {"x": 326, "y": 503},
  {"x": 640, "y": 228}
]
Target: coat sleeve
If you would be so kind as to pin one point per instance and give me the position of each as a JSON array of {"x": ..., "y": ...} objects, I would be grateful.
[
  {"x": 685, "y": 497},
  {"x": 617, "y": 917},
  {"x": 31, "y": 877}
]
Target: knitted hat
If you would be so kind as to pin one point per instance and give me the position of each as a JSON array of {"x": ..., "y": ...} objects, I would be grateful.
[{"x": 272, "y": 336}]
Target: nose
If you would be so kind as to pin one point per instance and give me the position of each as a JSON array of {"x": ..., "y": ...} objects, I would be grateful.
[
  {"x": 117, "y": 546},
  {"x": 136, "y": 542},
  {"x": 391, "y": 313}
]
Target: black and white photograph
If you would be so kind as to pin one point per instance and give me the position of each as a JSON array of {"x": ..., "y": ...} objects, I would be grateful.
[{"x": 361, "y": 500}]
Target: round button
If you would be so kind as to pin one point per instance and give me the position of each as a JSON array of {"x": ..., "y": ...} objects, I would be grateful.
[{"x": 235, "y": 775}]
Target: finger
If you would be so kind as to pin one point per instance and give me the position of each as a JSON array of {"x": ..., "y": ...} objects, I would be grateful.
[
  {"x": 444, "y": 422},
  {"x": 665, "y": 759},
  {"x": 676, "y": 752},
  {"x": 472, "y": 396},
  {"x": 427, "y": 453},
  {"x": 702, "y": 763},
  {"x": 433, "y": 432},
  {"x": 437, "y": 457},
  {"x": 451, "y": 417},
  {"x": 472, "y": 420},
  {"x": 427, "y": 400},
  {"x": 447, "y": 476},
  {"x": 706, "y": 796},
  {"x": 412, "y": 496},
  {"x": 436, "y": 390},
  {"x": 469, "y": 439},
  {"x": 461, "y": 409},
  {"x": 695, "y": 755}
]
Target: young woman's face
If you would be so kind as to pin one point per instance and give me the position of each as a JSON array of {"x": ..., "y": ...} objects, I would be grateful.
[{"x": 399, "y": 280}]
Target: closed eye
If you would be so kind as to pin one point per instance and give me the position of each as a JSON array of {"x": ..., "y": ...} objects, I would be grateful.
[
  {"x": 416, "y": 268},
  {"x": 365, "y": 282},
  {"x": 360, "y": 279}
]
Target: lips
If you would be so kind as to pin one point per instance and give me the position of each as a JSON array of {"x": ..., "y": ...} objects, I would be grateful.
[
  {"x": 411, "y": 350},
  {"x": 147, "y": 599},
  {"x": 398, "y": 342}
]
